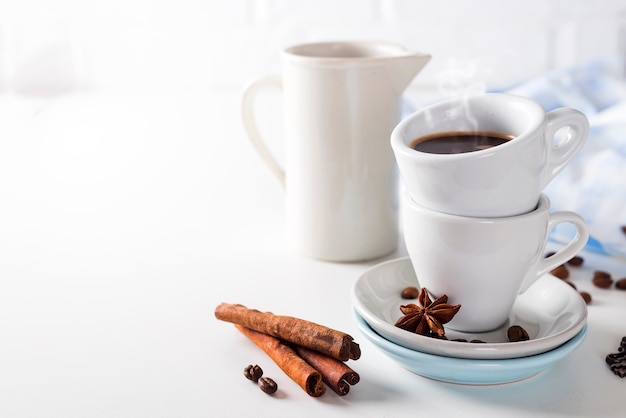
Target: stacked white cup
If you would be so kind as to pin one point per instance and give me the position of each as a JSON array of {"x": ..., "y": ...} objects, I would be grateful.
[{"x": 475, "y": 220}]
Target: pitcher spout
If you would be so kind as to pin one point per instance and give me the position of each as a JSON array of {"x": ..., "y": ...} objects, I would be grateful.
[{"x": 404, "y": 68}]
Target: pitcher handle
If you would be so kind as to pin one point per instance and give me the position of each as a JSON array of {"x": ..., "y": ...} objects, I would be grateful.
[
  {"x": 564, "y": 254},
  {"x": 249, "y": 122},
  {"x": 578, "y": 129}
]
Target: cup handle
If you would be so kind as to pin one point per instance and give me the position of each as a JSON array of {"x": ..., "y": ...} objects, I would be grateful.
[
  {"x": 560, "y": 154},
  {"x": 564, "y": 254},
  {"x": 249, "y": 122}
]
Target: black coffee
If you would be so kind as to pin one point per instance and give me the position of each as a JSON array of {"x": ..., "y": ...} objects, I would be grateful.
[{"x": 459, "y": 142}]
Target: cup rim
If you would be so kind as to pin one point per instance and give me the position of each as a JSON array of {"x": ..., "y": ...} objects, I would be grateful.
[
  {"x": 400, "y": 140},
  {"x": 543, "y": 205}
]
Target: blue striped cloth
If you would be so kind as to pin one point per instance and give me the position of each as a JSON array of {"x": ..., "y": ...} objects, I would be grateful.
[{"x": 594, "y": 183}]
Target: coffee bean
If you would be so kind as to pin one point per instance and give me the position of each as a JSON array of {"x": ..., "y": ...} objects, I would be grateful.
[
  {"x": 586, "y": 297},
  {"x": 267, "y": 385},
  {"x": 601, "y": 273},
  {"x": 253, "y": 372},
  {"x": 561, "y": 272},
  {"x": 517, "y": 333},
  {"x": 617, "y": 361},
  {"x": 621, "y": 284},
  {"x": 410, "y": 292},
  {"x": 576, "y": 261},
  {"x": 624, "y": 229},
  {"x": 603, "y": 280}
]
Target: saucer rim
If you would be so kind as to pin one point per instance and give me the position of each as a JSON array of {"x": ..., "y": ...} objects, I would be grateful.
[{"x": 486, "y": 351}]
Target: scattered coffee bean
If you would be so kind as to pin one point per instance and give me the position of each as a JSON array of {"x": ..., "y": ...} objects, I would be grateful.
[
  {"x": 267, "y": 385},
  {"x": 253, "y": 372},
  {"x": 624, "y": 229},
  {"x": 517, "y": 333},
  {"x": 602, "y": 279},
  {"x": 602, "y": 282},
  {"x": 410, "y": 292},
  {"x": 586, "y": 297},
  {"x": 561, "y": 272},
  {"x": 576, "y": 261},
  {"x": 569, "y": 282},
  {"x": 621, "y": 284},
  {"x": 617, "y": 361}
]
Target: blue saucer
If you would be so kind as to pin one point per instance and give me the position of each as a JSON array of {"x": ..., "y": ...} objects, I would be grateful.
[{"x": 469, "y": 371}]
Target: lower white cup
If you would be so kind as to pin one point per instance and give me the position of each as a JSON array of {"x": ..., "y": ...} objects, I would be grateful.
[{"x": 484, "y": 263}]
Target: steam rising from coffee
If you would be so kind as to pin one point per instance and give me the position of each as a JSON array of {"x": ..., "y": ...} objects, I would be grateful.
[{"x": 461, "y": 79}]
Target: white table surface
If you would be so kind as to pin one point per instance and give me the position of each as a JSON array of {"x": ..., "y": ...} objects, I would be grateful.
[{"x": 126, "y": 219}]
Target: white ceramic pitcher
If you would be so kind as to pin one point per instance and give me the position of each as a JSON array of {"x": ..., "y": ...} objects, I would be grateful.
[{"x": 341, "y": 102}]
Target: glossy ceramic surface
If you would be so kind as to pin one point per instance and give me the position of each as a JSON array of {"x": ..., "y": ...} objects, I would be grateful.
[
  {"x": 338, "y": 172},
  {"x": 485, "y": 263},
  {"x": 499, "y": 181}
]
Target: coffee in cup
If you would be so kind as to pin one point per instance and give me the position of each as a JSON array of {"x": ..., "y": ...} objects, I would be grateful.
[{"x": 459, "y": 142}]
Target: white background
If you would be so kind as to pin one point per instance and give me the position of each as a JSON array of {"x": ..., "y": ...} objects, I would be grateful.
[
  {"x": 131, "y": 204},
  {"x": 62, "y": 45}
]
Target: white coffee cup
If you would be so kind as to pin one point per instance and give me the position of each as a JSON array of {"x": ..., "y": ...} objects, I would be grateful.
[
  {"x": 503, "y": 180},
  {"x": 484, "y": 263},
  {"x": 341, "y": 102}
]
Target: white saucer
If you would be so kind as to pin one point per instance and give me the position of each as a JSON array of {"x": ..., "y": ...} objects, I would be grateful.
[{"x": 551, "y": 311}]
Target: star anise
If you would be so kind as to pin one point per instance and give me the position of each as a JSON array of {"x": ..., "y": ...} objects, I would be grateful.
[{"x": 427, "y": 318}]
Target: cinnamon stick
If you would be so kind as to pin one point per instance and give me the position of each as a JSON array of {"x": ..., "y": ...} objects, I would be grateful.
[
  {"x": 286, "y": 358},
  {"x": 333, "y": 343},
  {"x": 336, "y": 374}
]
